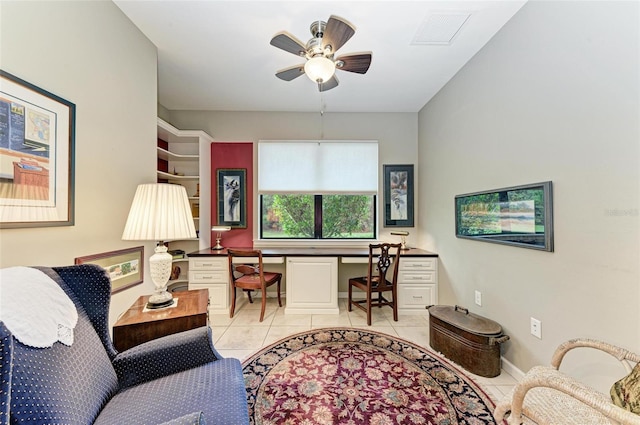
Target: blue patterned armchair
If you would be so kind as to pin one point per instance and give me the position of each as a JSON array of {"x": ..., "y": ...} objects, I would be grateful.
[{"x": 178, "y": 379}]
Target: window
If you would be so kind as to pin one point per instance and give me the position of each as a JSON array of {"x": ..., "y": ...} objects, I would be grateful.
[
  {"x": 318, "y": 189},
  {"x": 303, "y": 216}
]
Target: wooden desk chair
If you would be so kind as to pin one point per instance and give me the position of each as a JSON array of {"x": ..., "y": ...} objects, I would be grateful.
[
  {"x": 249, "y": 277},
  {"x": 377, "y": 280}
]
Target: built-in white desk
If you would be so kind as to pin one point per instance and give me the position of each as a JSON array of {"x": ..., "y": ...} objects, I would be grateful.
[{"x": 312, "y": 277}]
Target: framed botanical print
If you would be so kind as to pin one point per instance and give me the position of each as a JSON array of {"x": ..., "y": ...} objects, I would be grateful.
[
  {"x": 398, "y": 196},
  {"x": 232, "y": 197}
]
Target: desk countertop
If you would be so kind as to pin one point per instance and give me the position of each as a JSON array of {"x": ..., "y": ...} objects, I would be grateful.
[{"x": 312, "y": 252}]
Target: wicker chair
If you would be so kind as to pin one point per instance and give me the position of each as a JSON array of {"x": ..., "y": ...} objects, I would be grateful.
[{"x": 547, "y": 396}]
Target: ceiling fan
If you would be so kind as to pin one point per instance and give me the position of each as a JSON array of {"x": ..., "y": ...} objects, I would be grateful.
[{"x": 320, "y": 52}]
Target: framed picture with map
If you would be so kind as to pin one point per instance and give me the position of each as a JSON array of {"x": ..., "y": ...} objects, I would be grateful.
[{"x": 37, "y": 141}]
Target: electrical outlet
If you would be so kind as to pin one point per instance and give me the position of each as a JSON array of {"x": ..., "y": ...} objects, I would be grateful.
[
  {"x": 536, "y": 328},
  {"x": 478, "y": 298}
]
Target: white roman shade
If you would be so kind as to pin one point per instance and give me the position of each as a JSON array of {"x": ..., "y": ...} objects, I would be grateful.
[{"x": 319, "y": 167}]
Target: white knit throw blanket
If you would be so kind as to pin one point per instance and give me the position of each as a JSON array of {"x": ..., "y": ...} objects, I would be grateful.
[{"x": 35, "y": 309}]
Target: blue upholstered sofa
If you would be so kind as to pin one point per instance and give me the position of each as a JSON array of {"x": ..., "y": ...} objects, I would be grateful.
[{"x": 178, "y": 379}]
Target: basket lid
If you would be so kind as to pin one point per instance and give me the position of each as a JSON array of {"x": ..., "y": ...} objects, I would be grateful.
[{"x": 463, "y": 319}]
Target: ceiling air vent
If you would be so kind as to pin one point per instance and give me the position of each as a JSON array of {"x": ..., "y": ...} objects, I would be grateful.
[{"x": 440, "y": 28}]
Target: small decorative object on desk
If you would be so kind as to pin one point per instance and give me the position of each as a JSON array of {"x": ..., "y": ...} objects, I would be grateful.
[
  {"x": 175, "y": 273},
  {"x": 219, "y": 230},
  {"x": 177, "y": 254},
  {"x": 403, "y": 240}
]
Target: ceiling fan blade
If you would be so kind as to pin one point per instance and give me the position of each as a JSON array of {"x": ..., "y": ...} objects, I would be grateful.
[
  {"x": 289, "y": 43},
  {"x": 331, "y": 83},
  {"x": 288, "y": 74},
  {"x": 337, "y": 32},
  {"x": 355, "y": 62}
]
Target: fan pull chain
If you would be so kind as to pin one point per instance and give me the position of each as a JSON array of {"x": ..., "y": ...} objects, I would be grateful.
[{"x": 322, "y": 106}]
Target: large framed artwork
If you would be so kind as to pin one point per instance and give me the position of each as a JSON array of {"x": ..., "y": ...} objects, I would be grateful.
[
  {"x": 232, "y": 197},
  {"x": 398, "y": 195},
  {"x": 125, "y": 266},
  {"x": 520, "y": 216},
  {"x": 37, "y": 142}
]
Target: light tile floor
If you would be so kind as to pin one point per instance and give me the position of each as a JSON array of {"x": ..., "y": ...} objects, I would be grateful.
[{"x": 244, "y": 334}]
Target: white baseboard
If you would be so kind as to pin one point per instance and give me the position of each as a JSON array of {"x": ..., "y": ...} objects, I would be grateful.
[{"x": 511, "y": 369}]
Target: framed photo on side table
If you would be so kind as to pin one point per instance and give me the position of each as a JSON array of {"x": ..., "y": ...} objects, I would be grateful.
[
  {"x": 231, "y": 187},
  {"x": 398, "y": 195},
  {"x": 37, "y": 140},
  {"x": 125, "y": 266}
]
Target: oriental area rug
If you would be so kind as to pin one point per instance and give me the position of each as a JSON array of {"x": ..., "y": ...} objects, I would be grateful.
[{"x": 357, "y": 377}]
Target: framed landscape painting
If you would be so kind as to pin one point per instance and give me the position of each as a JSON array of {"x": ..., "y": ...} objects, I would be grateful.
[
  {"x": 520, "y": 216},
  {"x": 125, "y": 266},
  {"x": 37, "y": 140},
  {"x": 398, "y": 196}
]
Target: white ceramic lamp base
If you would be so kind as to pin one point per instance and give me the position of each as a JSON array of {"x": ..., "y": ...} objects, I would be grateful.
[{"x": 160, "y": 265}]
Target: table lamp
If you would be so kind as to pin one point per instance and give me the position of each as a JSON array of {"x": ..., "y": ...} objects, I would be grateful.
[
  {"x": 160, "y": 212},
  {"x": 403, "y": 240},
  {"x": 219, "y": 230}
]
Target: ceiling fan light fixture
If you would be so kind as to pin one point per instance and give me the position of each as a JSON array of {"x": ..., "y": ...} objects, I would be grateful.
[{"x": 319, "y": 69}]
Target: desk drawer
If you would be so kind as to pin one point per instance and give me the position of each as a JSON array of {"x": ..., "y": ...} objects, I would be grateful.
[
  {"x": 425, "y": 276},
  {"x": 410, "y": 264},
  {"x": 416, "y": 296},
  {"x": 208, "y": 264},
  {"x": 208, "y": 276}
]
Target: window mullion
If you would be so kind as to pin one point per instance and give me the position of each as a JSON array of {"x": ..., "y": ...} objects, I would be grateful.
[{"x": 317, "y": 216}]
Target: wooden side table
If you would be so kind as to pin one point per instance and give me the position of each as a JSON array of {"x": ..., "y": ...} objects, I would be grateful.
[{"x": 136, "y": 325}]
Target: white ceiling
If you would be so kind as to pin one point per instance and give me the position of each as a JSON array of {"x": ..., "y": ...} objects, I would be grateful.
[{"x": 215, "y": 55}]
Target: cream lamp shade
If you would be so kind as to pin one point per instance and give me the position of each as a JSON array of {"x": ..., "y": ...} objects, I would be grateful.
[{"x": 160, "y": 212}]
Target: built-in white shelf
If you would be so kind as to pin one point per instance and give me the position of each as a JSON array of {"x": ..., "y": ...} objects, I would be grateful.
[
  {"x": 172, "y": 156},
  {"x": 174, "y": 177}
]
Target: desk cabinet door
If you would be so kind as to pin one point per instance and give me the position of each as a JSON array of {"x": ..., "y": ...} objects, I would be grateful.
[{"x": 312, "y": 285}]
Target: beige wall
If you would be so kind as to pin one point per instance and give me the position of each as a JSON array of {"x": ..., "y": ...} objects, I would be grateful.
[
  {"x": 397, "y": 134},
  {"x": 553, "y": 96},
  {"x": 90, "y": 54}
]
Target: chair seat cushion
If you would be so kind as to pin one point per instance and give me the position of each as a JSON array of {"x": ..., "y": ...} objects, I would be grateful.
[
  {"x": 254, "y": 279},
  {"x": 375, "y": 281},
  {"x": 626, "y": 392},
  {"x": 547, "y": 406},
  {"x": 216, "y": 389}
]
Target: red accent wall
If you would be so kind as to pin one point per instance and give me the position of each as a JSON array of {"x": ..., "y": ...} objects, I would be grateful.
[{"x": 233, "y": 155}]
